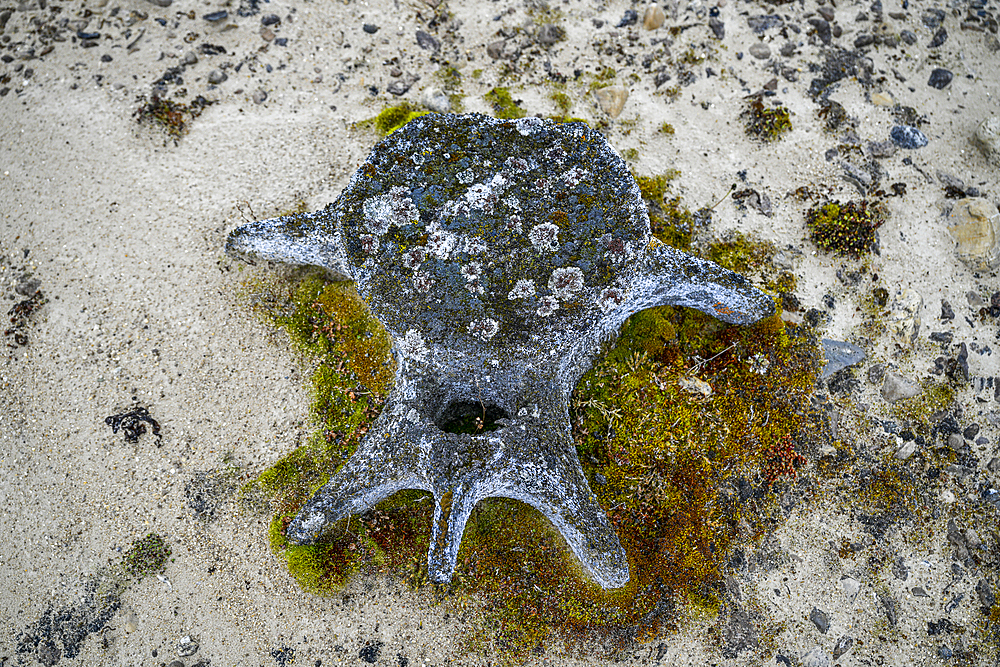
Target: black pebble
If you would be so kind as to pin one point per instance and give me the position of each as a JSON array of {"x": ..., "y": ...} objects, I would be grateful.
[
  {"x": 970, "y": 431},
  {"x": 907, "y": 136},
  {"x": 862, "y": 40},
  {"x": 942, "y": 337},
  {"x": 939, "y": 38},
  {"x": 281, "y": 41},
  {"x": 220, "y": 15},
  {"x": 106, "y": 58},
  {"x": 940, "y": 78},
  {"x": 88, "y": 35},
  {"x": 370, "y": 28},
  {"x": 270, "y": 19},
  {"x": 908, "y": 36},
  {"x": 946, "y": 312}
]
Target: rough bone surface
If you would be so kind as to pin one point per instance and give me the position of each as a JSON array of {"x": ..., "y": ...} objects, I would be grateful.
[{"x": 499, "y": 255}]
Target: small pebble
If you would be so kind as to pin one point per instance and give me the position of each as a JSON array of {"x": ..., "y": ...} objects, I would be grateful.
[
  {"x": 760, "y": 51},
  {"x": 631, "y": 17},
  {"x": 863, "y": 40},
  {"x": 820, "y": 620},
  {"x": 897, "y": 388},
  {"x": 908, "y": 36},
  {"x": 907, "y": 136},
  {"x": 919, "y": 592},
  {"x": 370, "y": 28},
  {"x": 281, "y": 41},
  {"x": 987, "y": 138},
  {"x": 906, "y": 451},
  {"x": 270, "y": 19},
  {"x": 842, "y": 646},
  {"x": 160, "y": 3},
  {"x": 946, "y": 312},
  {"x": 653, "y": 18},
  {"x": 940, "y": 78},
  {"x": 611, "y": 100},
  {"x": 427, "y": 41},
  {"x": 718, "y": 28},
  {"x": 259, "y": 96},
  {"x": 88, "y": 35},
  {"x": 217, "y": 76},
  {"x": 940, "y": 37},
  {"x": 215, "y": 17}
]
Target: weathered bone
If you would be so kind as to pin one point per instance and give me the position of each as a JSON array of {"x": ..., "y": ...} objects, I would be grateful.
[{"x": 499, "y": 255}]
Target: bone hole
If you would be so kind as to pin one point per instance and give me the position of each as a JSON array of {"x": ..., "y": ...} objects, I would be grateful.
[{"x": 467, "y": 417}]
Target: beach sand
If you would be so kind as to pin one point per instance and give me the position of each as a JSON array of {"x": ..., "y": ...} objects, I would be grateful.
[{"x": 123, "y": 226}]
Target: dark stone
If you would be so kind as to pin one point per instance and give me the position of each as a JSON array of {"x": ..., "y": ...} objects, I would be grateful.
[
  {"x": 760, "y": 24},
  {"x": 820, "y": 619},
  {"x": 842, "y": 646},
  {"x": 270, "y": 19},
  {"x": 899, "y": 569},
  {"x": 940, "y": 78},
  {"x": 971, "y": 431},
  {"x": 369, "y": 653},
  {"x": 986, "y": 596},
  {"x": 403, "y": 84},
  {"x": 932, "y": 18},
  {"x": 370, "y": 28},
  {"x": 718, "y": 28},
  {"x": 947, "y": 313},
  {"x": 215, "y": 17},
  {"x": 944, "y": 626},
  {"x": 281, "y": 41},
  {"x": 863, "y": 40},
  {"x": 908, "y": 36},
  {"x": 88, "y": 35},
  {"x": 822, "y": 28},
  {"x": 890, "y": 606},
  {"x": 940, "y": 37},
  {"x": 427, "y": 41},
  {"x": 942, "y": 337},
  {"x": 839, "y": 355},
  {"x": 630, "y": 18},
  {"x": 907, "y": 136}
]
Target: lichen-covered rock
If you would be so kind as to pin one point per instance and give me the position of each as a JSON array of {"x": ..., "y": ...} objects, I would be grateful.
[{"x": 499, "y": 255}]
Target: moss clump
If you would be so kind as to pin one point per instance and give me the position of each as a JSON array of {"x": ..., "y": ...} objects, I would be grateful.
[
  {"x": 662, "y": 461},
  {"x": 146, "y": 556},
  {"x": 767, "y": 124},
  {"x": 847, "y": 229},
  {"x": 669, "y": 220},
  {"x": 934, "y": 398},
  {"x": 667, "y": 129},
  {"x": 751, "y": 257},
  {"x": 503, "y": 104},
  {"x": 172, "y": 117},
  {"x": 392, "y": 118}
]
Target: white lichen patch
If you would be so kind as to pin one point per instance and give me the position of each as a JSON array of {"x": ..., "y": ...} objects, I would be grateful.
[
  {"x": 610, "y": 298},
  {"x": 523, "y": 289},
  {"x": 472, "y": 272},
  {"x": 414, "y": 257},
  {"x": 549, "y": 305},
  {"x": 422, "y": 282},
  {"x": 466, "y": 177},
  {"x": 566, "y": 282},
  {"x": 544, "y": 237},
  {"x": 369, "y": 244},
  {"x": 484, "y": 329},
  {"x": 412, "y": 346},
  {"x": 394, "y": 208},
  {"x": 474, "y": 245},
  {"x": 440, "y": 243}
]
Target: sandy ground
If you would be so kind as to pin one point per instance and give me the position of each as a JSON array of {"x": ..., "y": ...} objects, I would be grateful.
[{"x": 124, "y": 227}]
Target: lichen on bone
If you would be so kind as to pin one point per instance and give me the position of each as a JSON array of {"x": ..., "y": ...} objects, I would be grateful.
[{"x": 432, "y": 230}]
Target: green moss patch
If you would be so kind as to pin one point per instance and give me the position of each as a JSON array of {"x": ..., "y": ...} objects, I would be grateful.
[
  {"x": 765, "y": 123},
  {"x": 847, "y": 229},
  {"x": 504, "y": 106},
  {"x": 392, "y": 118},
  {"x": 684, "y": 428}
]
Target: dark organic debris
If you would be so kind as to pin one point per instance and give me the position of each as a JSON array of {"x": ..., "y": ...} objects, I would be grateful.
[
  {"x": 19, "y": 315},
  {"x": 131, "y": 423},
  {"x": 60, "y": 633}
]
